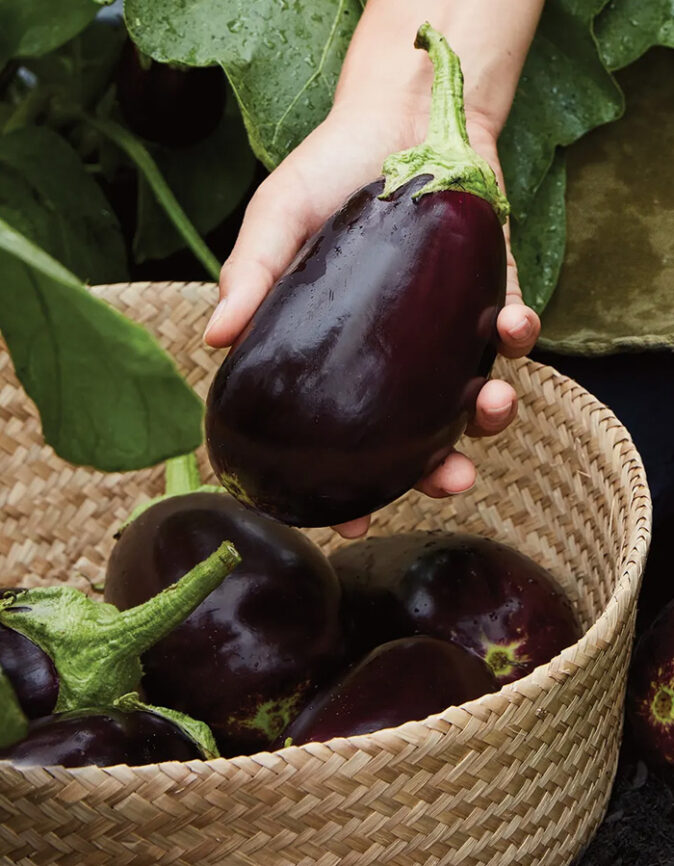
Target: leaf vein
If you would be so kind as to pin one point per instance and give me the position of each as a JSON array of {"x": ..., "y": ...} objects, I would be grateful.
[{"x": 314, "y": 75}]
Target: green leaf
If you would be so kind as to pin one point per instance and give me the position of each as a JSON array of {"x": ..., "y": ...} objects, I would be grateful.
[
  {"x": 282, "y": 57},
  {"x": 107, "y": 394},
  {"x": 81, "y": 70},
  {"x": 47, "y": 195},
  {"x": 209, "y": 180},
  {"x": 140, "y": 155},
  {"x": 564, "y": 91},
  {"x": 627, "y": 28},
  {"x": 29, "y": 28},
  {"x": 538, "y": 241},
  {"x": 616, "y": 287}
]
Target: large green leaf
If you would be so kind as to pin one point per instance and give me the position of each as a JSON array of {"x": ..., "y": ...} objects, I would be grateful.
[
  {"x": 108, "y": 396},
  {"x": 282, "y": 57},
  {"x": 538, "y": 240},
  {"x": 209, "y": 179},
  {"x": 627, "y": 28},
  {"x": 616, "y": 289},
  {"x": 29, "y": 28},
  {"x": 47, "y": 195},
  {"x": 564, "y": 91}
]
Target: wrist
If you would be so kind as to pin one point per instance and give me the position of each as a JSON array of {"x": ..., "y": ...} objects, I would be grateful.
[{"x": 490, "y": 37}]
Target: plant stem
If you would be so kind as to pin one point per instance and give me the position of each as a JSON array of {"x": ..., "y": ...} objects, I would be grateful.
[
  {"x": 445, "y": 155},
  {"x": 181, "y": 475},
  {"x": 140, "y": 155},
  {"x": 141, "y": 627}
]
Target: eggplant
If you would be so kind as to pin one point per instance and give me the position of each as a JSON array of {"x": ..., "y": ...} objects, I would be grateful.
[
  {"x": 400, "y": 681},
  {"x": 62, "y": 651},
  {"x": 170, "y": 105},
  {"x": 30, "y": 669},
  {"x": 359, "y": 371},
  {"x": 650, "y": 693},
  {"x": 129, "y": 732},
  {"x": 249, "y": 656},
  {"x": 483, "y": 595}
]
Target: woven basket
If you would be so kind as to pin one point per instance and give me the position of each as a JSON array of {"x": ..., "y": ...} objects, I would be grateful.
[{"x": 517, "y": 777}]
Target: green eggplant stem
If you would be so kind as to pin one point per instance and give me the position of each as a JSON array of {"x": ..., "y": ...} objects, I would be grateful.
[
  {"x": 445, "y": 154},
  {"x": 181, "y": 475},
  {"x": 142, "y": 626},
  {"x": 96, "y": 648}
]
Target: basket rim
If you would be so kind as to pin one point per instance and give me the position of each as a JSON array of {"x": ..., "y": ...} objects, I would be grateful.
[{"x": 635, "y": 548}]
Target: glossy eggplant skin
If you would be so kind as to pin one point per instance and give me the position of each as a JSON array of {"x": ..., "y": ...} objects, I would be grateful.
[
  {"x": 30, "y": 671},
  {"x": 399, "y": 681},
  {"x": 650, "y": 694},
  {"x": 479, "y": 593},
  {"x": 361, "y": 368},
  {"x": 247, "y": 658},
  {"x": 103, "y": 737},
  {"x": 169, "y": 106}
]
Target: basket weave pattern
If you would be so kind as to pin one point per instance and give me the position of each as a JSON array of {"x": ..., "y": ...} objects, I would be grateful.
[{"x": 517, "y": 777}]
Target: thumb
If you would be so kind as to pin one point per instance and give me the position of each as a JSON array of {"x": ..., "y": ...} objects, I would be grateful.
[{"x": 275, "y": 226}]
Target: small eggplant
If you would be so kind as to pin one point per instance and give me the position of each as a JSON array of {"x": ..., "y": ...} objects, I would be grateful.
[
  {"x": 129, "y": 732},
  {"x": 650, "y": 694},
  {"x": 476, "y": 592},
  {"x": 248, "y": 657},
  {"x": 175, "y": 106},
  {"x": 400, "y": 681},
  {"x": 360, "y": 369},
  {"x": 62, "y": 651}
]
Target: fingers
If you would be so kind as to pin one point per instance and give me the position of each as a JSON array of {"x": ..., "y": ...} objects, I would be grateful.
[
  {"x": 495, "y": 408},
  {"x": 274, "y": 227},
  {"x": 354, "y": 528},
  {"x": 518, "y": 328},
  {"x": 456, "y": 474}
]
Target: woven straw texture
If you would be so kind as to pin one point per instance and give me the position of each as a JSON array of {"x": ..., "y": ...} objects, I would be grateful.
[{"x": 517, "y": 777}]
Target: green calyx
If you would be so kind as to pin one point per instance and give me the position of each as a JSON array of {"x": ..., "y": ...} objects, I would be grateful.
[
  {"x": 181, "y": 476},
  {"x": 663, "y": 704},
  {"x": 199, "y": 732},
  {"x": 95, "y": 647},
  {"x": 13, "y": 723},
  {"x": 445, "y": 154},
  {"x": 503, "y": 659}
]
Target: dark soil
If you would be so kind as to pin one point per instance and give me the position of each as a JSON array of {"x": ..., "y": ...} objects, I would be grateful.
[{"x": 639, "y": 826}]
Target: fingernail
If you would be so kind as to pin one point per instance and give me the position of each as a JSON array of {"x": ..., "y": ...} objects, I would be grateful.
[
  {"x": 217, "y": 315},
  {"x": 522, "y": 330},
  {"x": 499, "y": 412}
]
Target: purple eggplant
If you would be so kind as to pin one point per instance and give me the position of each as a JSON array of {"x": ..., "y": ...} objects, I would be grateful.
[
  {"x": 62, "y": 651},
  {"x": 476, "y": 592},
  {"x": 360, "y": 370},
  {"x": 167, "y": 104},
  {"x": 250, "y": 654},
  {"x": 400, "y": 681},
  {"x": 30, "y": 670},
  {"x": 650, "y": 696},
  {"x": 129, "y": 732}
]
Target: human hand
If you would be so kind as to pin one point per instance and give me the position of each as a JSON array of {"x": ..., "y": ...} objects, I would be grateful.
[{"x": 345, "y": 152}]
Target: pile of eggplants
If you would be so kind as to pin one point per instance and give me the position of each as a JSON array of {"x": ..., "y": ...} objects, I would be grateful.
[{"x": 224, "y": 630}]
